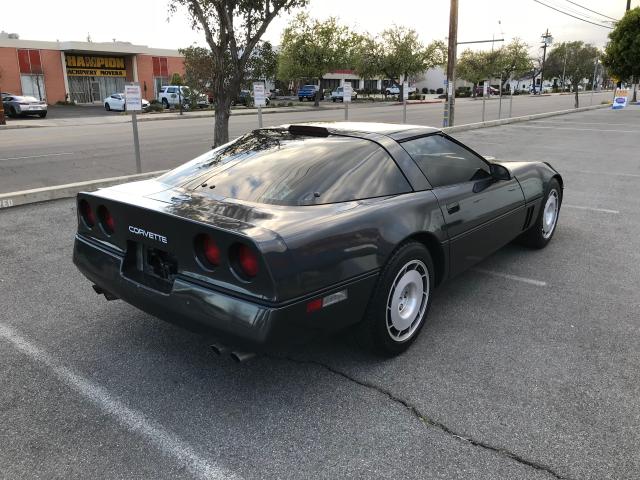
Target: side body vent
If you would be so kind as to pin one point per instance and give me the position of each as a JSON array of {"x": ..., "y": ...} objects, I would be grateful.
[{"x": 528, "y": 217}]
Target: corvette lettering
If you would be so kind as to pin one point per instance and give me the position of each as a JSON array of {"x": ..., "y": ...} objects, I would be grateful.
[{"x": 153, "y": 236}]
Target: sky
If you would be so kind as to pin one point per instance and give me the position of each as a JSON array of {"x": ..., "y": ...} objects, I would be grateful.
[{"x": 147, "y": 22}]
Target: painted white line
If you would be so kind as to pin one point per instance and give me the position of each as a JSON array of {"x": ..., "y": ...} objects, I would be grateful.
[
  {"x": 590, "y": 172},
  {"x": 166, "y": 441},
  {"x": 580, "y": 207},
  {"x": 581, "y": 123},
  {"x": 38, "y": 156},
  {"x": 530, "y": 281},
  {"x": 576, "y": 129}
]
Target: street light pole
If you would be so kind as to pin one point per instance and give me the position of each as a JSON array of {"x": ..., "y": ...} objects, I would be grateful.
[
  {"x": 545, "y": 41},
  {"x": 449, "y": 112}
]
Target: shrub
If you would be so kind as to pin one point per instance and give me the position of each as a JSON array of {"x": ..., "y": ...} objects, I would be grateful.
[
  {"x": 440, "y": 91},
  {"x": 425, "y": 90},
  {"x": 290, "y": 104},
  {"x": 155, "y": 107},
  {"x": 64, "y": 102}
]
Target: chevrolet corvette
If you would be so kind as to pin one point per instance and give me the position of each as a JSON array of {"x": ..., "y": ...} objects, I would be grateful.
[{"x": 290, "y": 231}]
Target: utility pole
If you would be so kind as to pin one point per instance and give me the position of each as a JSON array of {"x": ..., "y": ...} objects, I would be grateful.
[
  {"x": 628, "y": 5},
  {"x": 546, "y": 40},
  {"x": 449, "y": 111}
]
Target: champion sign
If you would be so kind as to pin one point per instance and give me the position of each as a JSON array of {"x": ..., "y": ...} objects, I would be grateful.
[{"x": 145, "y": 233}]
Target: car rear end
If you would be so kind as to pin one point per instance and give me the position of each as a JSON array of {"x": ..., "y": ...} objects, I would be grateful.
[
  {"x": 29, "y": 106},
  {"x": 214, "y": 275}
]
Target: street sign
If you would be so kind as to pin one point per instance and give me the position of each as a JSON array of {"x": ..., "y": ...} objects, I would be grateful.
[
  {"x": 259, "y": 98},
  {"x": 405, "y": 91},
  {"x": 347, "y": 91},
  {"x": 620, "y": 98},
  {"x": 133, "y": 97},
  {"x": 485, "y": 89}
]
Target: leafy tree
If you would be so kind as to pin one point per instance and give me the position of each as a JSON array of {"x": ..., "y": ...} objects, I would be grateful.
[
  {"x": 513, "y": 60},
  {"x": 580, "y": 60},
  {"x": 474, "y": 67},
  {"x": 176, "y": 79},
  {"x": 622, "y": 53},
  {"x": 397, "y": 54},
  {"x": 310, "y": 48},
  {"x": 232, "y": 29},
  {"x": 263, "y": 64}
]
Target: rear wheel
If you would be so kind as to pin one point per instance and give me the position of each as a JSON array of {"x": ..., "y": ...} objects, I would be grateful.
[
  {"x": 400, "y": 301},
  {"x": 540, "y": 234},
  {"x": 12, "y": 112}
]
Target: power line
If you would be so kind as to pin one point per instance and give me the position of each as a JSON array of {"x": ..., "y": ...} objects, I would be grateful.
[
  {"x": 577, "y": 18},
  {"x": 593, "y": 11}
]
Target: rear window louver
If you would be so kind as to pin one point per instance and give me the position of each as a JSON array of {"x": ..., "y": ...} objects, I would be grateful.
[{"x": 310, "y": 130}]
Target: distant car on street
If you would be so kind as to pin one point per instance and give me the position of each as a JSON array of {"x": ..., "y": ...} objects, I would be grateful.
[
  {"x": 307, "y": 92},
  {"x": 395, "y": 90},
  {"x": 246, "y": 98},
  {"x": 338, "y": 95},
  {"x": 490, "y": 89},
  {"x": 18, "y": 106},
  {"x": 117, "y": 102}
]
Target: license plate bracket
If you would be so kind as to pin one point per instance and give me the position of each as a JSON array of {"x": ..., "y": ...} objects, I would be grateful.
[{"x": 150, "y": 266}]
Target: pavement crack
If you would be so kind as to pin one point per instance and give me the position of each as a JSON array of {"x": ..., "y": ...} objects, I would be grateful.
[{"x": 424, "y": 418}]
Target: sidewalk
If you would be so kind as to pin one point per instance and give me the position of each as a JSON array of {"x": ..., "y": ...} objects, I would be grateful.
[{"x": 33, "y": 122}]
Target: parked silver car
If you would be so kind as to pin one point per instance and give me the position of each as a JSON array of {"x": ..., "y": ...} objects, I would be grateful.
[{"x": 16, "y": 105}]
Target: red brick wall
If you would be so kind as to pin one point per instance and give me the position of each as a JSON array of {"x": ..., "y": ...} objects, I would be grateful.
[
  {"x": 175, "y": 65},
  {"x": 9, "y": 72},
  {"x": 53, "y": 77},
  {"x": 145, "y": 75}
]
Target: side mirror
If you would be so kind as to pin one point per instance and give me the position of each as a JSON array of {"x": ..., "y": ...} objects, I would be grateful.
[{"x": 500, "y": 172}]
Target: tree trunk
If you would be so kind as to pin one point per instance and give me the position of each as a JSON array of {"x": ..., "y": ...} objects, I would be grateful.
[
  {"x": 634, "y": 79},
  {"x": 221, "y": 125},
  {"x": 575, "y": 89},
  {"x": 475, "y": 86}
]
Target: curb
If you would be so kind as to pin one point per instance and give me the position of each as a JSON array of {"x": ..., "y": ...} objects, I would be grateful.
[
  {"x": 44, "y": 194},
  {"x": 526, "y": 118}
]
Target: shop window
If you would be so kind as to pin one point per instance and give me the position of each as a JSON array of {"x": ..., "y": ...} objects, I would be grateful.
[{"x": 33, "y": 86}]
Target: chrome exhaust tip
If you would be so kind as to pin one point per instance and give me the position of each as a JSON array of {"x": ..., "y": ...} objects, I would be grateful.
[
  {"x": 219, "y": 349},
  {"x": 241, "y": 357}
]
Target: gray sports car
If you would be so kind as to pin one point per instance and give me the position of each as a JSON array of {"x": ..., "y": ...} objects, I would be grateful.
[
  {"x": 289, "y": 231},
  {"x": 17, "y": 105}
]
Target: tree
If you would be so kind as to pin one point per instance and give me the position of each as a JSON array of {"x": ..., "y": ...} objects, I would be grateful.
[
  {"x": 397, "y": 54},
  {"x": 513, "y": 60},
  {"x": 311, "y": 48},
  {"x": 580, "y": 62},
  {"x": 176, "y": 79},
  {"x": 474, "y": 67},
  {"x": 622, "y": 53},
  {"x": 232, "y": 29},
  {"x": 263, "y": 64}
]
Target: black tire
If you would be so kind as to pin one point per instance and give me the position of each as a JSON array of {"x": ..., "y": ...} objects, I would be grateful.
[
  {"x": 42, "y": 114},
  {"x": 333, "y": 99},
  {"x": 375, "y": 331},
  {"x": 535, "y": 237},
  {"x": 12, "y": 112},
  {"x": 107, "y": 107},
  {"x": 300, "y": 99}
]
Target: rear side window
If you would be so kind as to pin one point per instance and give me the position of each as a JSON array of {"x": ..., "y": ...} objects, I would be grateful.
[
  {"x": 444, "y": 162},
  {"x": 276, "y": 167}
]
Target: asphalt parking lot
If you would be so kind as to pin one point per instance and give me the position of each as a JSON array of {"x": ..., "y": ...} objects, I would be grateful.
[{"x": 528, "y": 367}]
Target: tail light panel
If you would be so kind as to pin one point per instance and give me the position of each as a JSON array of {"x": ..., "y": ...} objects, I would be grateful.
[
  {"x": 207, "y": 251},
  {"x": 106, "y": 220},
  {"x": 86, "y": 213},
  {"x": 244, "y": 261}
]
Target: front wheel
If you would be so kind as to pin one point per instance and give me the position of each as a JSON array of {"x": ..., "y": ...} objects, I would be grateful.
[
  {"x": 400, "y": 301},
  {"x": 540, "y": 234},
  {"x": 42, "y": 114},
  {"x": 107, "y": 107}
]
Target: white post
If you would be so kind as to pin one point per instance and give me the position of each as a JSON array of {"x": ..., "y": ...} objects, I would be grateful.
[
  {"x": 259, "y": 116},
  {"x": 346, "y": 111},
  {"x": 136, "y": 141}
]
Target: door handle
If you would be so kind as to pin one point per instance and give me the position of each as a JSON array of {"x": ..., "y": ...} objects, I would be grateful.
[{"x": 453, "y": 207}]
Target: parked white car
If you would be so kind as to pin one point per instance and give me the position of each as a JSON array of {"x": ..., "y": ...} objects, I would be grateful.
[
  {"x": 395, "y": 90},
  {"x": 338, "y": 94},
  {"x": 172, "y": 94},
  {"x": 117, "y": 102}
]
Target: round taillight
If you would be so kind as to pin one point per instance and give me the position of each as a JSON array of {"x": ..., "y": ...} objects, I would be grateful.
[
  {"x": 207, "y": 250},
  {"x": 247, "y": 260},
  {"x": 86, "y": 213},
  {"x": 106, "y": 220}
]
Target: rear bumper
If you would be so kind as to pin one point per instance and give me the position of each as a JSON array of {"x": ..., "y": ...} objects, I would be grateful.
[{"x": 236, "y": 320}]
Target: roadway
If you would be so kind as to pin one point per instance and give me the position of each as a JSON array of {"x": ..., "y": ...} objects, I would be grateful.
[
  {"x": 528, "y": 367},
  {"x": 91, "y": 148}
]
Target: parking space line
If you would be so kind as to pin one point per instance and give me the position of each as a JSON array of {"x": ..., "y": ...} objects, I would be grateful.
[
  {"x": 166, "y": 441},
  {"x": 593, "y": 209},
  {"x": 573, "y": 128},
  {"x": 38, "y": 156},
  {"x": 508, "y": 276},
  {"x": 561, "y": 122},
  {"x": 591, "y": 172}
]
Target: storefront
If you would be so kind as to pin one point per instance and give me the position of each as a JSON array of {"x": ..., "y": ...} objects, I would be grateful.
[
  {"x": 83, "y": 72},
  {"x": 92, "y": 78}
]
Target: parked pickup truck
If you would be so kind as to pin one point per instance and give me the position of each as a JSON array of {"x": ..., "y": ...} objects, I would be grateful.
[
  {"x": 338, "y": 95},
  {"x": 307, "y": 92}
]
